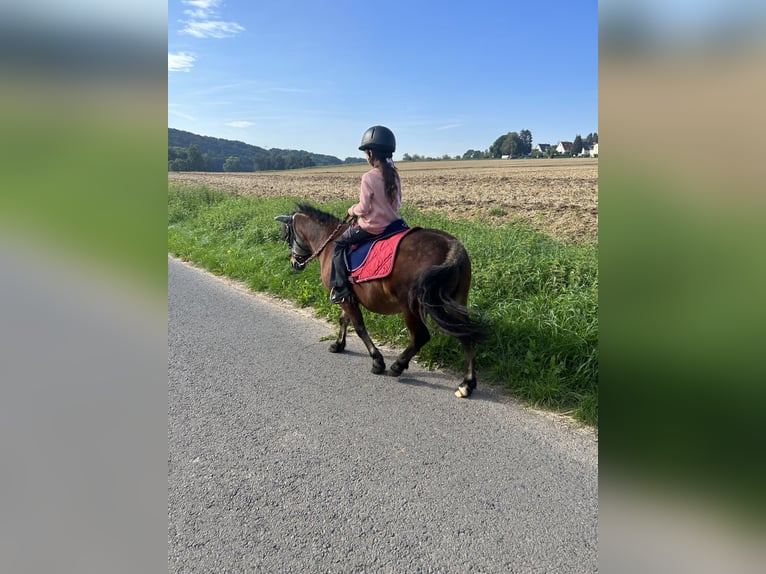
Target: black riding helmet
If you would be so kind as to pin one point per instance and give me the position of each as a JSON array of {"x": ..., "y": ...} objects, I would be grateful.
[{"x": 379, "y": 138}]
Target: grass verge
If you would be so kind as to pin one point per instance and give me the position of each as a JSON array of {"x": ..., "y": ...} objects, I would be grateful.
[{"x": 540, "y": 296}]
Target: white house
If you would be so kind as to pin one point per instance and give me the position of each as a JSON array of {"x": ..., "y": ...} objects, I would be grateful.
[{"x": 585, "y": 151}]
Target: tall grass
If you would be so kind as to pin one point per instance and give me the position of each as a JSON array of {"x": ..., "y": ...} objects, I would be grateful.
[{"x": 540, "y": 296}]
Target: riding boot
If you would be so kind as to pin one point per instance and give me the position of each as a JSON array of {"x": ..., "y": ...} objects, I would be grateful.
[
  {"x": 339, "y": 281},
  {"x": 339, "y": 287}
]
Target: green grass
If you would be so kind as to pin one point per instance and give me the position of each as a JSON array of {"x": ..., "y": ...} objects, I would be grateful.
[
  {"x": 540, "y": 296},
  {"x": 84, "y": 182}
]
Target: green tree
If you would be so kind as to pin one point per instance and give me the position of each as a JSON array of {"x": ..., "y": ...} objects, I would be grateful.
[
  {"x": 176, "y": 152},
  {"x": 232, "y": 163},
  {"x": 178, "y": 164},
  {"x": 511, "y": 145},
  {"x": 577, "y": 145},
  {"x": 307, "y": 161},
  {"x": 297, "y": 159},
  {"x": 526, "y": 142},
  {"x": 195, "y": 161},
  {"x": 292, "y": 160},
  {"x": 495, "y": 150}
]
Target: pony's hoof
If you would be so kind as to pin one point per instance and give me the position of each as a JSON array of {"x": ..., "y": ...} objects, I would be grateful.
[
  {"x": 396, "y": 370},
  {"x": 337, "y": 347},
  {"x": 463, "y": 391},
  {"x": 378, "y": 363},
  {"x": 378, "y": 369}
]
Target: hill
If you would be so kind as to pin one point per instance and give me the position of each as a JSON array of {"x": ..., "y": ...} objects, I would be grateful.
[{"x": 216, "y": 151}]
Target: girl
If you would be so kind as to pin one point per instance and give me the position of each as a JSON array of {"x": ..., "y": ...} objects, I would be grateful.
[{"x": 379, "y": 201}]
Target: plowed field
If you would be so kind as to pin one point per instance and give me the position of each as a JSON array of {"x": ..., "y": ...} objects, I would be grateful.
[{"x": 559, "y": 197}]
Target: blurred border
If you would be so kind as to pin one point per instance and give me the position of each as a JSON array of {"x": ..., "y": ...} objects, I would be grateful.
[
  {"x": 83, "y": 250},
  {"x": 682, "y": 276},
  {"x": 83, "y": 113}
]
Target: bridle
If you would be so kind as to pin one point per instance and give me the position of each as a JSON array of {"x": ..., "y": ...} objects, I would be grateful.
[{"x": 299, "y": 251}]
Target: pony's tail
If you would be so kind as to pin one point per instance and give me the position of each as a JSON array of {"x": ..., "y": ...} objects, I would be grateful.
[{"x": 435, "y": 293}]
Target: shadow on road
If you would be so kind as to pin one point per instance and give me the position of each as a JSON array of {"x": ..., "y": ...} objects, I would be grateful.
[{"x": 443, "y": 381}]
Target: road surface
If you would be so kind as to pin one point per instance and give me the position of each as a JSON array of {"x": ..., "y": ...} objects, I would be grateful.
[{"x": 283, "y": 457}]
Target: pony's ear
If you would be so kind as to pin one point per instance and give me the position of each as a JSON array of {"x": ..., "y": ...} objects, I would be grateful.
[{"x": 283, "y": 218}]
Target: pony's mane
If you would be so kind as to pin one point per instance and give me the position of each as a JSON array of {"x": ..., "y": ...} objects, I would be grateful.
[{"x": 317, "y": 214}]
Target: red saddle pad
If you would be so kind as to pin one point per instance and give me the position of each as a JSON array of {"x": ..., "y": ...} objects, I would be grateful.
[{"x": 380, "y": 259}]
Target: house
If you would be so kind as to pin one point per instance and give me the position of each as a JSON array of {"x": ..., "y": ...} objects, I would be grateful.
[
  {"x": 564, "y": 148},
  {"x": 589, "y": 150},
  {"x": 542, "y": 148},
  {"x": 585, "y": 151}
]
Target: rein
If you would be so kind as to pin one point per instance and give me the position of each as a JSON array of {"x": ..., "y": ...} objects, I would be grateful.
[{"x": 334, "y": 235}]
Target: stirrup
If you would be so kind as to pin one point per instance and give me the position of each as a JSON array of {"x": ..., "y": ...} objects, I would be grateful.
[{"x": 339, "y": 297}]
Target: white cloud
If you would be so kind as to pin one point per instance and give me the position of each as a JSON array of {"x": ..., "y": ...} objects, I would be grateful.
[
  {"x": 203, "y": 22},
  {"x": 239, "y": 124},
  {"x": 180, "y": 62},
  {"x": 201, "y": 9},
  {"x": 211, "y": 29},
  {"x": 202, "y": 4},
  {"x": 449, "y": 127},
  {"x": 199, "y": 14}
]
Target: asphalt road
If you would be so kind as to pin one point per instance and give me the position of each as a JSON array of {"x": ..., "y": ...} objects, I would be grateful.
[{"x": 283, "y": 457}]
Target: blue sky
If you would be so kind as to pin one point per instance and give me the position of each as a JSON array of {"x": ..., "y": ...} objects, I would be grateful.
[{"x": 444, "y": 77}]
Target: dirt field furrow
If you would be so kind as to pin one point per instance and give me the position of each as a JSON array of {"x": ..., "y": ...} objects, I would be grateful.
[{"x": 559, "y": 197}]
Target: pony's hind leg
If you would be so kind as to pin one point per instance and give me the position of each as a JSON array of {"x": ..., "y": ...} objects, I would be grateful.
[
  {"x": 468, "y": 385},
  {"x": 419, "y": 336},
  {"x": 339, "y": 345}
]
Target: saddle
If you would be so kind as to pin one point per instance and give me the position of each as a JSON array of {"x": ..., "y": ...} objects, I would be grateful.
[{"x": 374, "y": 258}]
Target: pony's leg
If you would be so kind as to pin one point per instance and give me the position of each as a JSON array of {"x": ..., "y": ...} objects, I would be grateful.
[
  {"x": 419, "y": 336},
  {"x": 468, "y": 385},
  {"x": 354, "y": 314},
  {"x": 340, "y": 343}
]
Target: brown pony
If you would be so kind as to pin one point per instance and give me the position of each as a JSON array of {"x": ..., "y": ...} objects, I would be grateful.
[{"x": 431, "y": 277}]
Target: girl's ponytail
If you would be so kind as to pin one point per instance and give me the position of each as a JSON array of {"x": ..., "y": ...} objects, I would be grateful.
[{"x": 390, "y": 176}]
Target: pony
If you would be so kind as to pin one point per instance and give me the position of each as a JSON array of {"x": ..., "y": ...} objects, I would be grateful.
[{"x": 431, "y": 276}]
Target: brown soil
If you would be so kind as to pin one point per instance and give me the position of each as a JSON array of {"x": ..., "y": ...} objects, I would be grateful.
[{"x": 559, "y": 197}]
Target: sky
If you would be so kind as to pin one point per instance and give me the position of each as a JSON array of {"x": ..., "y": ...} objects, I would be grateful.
[{"x": 445, "y": 77}]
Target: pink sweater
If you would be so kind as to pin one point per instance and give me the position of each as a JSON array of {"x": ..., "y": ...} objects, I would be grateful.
[{"x": 374, "y": 210}]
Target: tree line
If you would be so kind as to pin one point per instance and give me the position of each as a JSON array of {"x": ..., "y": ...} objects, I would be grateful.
[
  {"x": 192, "y": 158},
  {"x": 191, "y": 152},
  {"x": 513, "y": 145}
]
